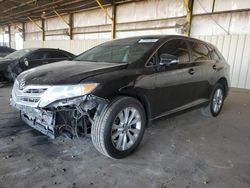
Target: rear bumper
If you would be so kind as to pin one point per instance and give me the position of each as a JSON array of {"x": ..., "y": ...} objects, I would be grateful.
[{"x": 41, "y": 120}]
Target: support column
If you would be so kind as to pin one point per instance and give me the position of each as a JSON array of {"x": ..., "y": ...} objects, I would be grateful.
[
  {"x": 9, "y": 32},
  {"x": 40, "y": 27},
  {"x": 213, "y": 6},
  {"x": 71, "y": 25},
  {"x": 113, "y": 21},
  {"x": 190, "y": 6},
  {"x": 24, "y": 34},
  {"x": 43, "y": 30},
  {"x": 111, "y": 18}
]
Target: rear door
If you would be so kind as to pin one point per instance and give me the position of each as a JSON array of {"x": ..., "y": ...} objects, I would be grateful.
[
  {"x": 203, "y": 63},
  {"x": 217, "y": 64}
]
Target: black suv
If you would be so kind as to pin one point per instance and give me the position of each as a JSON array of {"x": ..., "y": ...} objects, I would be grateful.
[
  {"x": 15, "y": 63},
  {"x": 114, "y": 91}
]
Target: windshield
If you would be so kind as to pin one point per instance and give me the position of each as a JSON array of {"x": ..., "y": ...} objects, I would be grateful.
[
  {"x": 18, "y": 54},
  {"x": 118, "y": 51}
]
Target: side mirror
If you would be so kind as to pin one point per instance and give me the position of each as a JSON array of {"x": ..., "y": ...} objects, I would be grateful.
[
  {"x": 168, "y": 59},
  {"x": 26, "y": 62}
]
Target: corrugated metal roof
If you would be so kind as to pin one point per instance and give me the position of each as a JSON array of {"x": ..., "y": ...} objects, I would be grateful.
[{"x": 13, "y": 11}]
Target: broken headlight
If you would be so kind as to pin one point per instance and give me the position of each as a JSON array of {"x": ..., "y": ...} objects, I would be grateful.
[{"x": 56, "y": 93}]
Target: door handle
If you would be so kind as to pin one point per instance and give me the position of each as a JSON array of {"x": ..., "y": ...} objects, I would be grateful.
[
  {"x": 214, "y": 67},
  {"x": 191, "y": 71}
]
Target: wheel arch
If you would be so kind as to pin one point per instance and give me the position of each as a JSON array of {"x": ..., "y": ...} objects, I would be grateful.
[
  {"x": 223, "y": 81},
  {"x": 143, "y": 100}
]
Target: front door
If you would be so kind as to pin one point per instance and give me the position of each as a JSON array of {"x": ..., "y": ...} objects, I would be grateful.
[
  {"x": 175, "y": 79},
  {"x": 37, "y": 58}
]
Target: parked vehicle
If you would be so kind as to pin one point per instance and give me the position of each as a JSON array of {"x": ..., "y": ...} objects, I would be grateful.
[
  {"x": 15, "y": 63},
  {"x": 5, "y": 51},
  {"x": 114, "y": 91}
]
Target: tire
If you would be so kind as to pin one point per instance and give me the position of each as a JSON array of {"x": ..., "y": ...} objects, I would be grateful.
[
  {"x": 216, "y": 99},
  {"x": 109, "y": 126}
]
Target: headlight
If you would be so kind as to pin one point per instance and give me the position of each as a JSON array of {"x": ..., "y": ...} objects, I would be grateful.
[{"x": 55, "y": 93}]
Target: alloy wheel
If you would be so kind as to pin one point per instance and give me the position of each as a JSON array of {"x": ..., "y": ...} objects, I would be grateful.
[
  {"x": 217, "y": 100},
  {"x": 126, "y": 128}
]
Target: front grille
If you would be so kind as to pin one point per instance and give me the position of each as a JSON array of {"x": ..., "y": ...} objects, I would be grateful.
[
  {"x": 30, "y": 99},
  {"x": 36, "y": 90},
  {"x": 29, "y": 96}
]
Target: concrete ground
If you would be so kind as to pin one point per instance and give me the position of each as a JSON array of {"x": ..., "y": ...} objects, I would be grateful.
[{"x": 186, "y": 151}]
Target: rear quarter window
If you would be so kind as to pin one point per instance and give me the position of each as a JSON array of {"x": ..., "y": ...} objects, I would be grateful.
[
  {"x": 199, "y": 51},
  {"x": 213, "y": 54}
]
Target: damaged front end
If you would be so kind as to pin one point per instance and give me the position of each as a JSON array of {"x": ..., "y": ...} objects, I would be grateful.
[{"x": 65, "y": 115}]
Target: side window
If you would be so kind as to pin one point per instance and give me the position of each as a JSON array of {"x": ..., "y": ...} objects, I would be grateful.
[
  {"x": 152, "y": 61},
  {"x": 176, "y": 50},
  {"x": 38, "y": 55},
  {"x": 213, "y": 54},
  {"x": 56, "y": 54},
  {"x": 199, "y": 51}
]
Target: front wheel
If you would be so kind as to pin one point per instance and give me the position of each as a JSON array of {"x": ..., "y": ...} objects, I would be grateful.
[
  {"x": 216, "y": 102},
  {"x": 119, "y": 129}
]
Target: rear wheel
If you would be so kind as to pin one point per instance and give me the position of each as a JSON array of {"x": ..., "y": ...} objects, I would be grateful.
[
  {"x": 216, "y": 102},
  {"x": 119, "y": 129}
]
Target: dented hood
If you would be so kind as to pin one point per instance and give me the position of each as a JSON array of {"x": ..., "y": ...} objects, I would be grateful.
[{"x": 67, "y": 72}]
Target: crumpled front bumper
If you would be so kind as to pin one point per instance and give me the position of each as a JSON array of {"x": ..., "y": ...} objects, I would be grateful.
[{"x": 41, "y": 120}]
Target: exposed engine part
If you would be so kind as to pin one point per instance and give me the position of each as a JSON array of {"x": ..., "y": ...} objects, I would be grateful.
[
  {"x": 72, "y": 118},
  {"x": 75, "y": 120}
]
